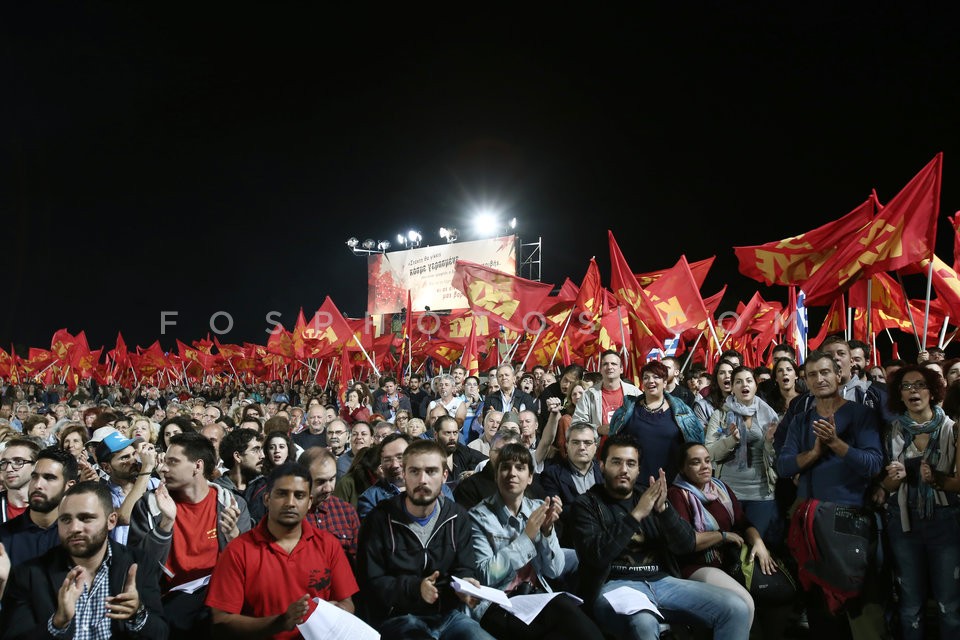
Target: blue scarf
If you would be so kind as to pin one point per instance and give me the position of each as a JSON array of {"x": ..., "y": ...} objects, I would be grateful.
[
  {"x": 926, "y": 494},
  {"x": 703, "y": 520}
]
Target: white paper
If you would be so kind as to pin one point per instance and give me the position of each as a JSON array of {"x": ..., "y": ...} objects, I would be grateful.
[
  {"x": 193, "y": 586},
  {"x": 484, "y": 593},
  {"x": 528, "y": 607},
  {"x": 628, "y": 601},
  {"x": 330, "y": 622}
]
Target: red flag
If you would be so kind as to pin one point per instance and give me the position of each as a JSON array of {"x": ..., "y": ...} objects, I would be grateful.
[
  {"x": 795, "y": 259},
  {"x": 470, "y": 356},
  {"x": 698, "y": 269},
  {"x": 511, "y": 300},
  {"x": 647, "y": 332},
  {"x": 676, "y": 295},
  {"x": 61, "y": 344},
  {"x": 834, "y": 322},
  {"x": 955, "y": 224},
  {"x": 901, "y": 235}
]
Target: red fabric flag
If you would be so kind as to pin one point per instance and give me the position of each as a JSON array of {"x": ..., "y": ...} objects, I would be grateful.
[
  {"x": 955, "y": 224},
  {"x": 6, "y": 364},
  {"x": 280, "y": 343},
  {"x": 901, "y": 235},
  {"x": 229, "y": 351},
  {"x": 834, "y": 322},
  {"x": 698, "y": 269},
  {"x": 795, "y": 259},
  {"x": 119, "y": 353},
  {"x": 510, "y": 300},
  {"x": 647, "y": 332},
  {"x": 470, "y": 356},
  {"x": 676, "y": 295},
  {"x": 61, "y": 344},
  {"x": 37, "y": 360}
]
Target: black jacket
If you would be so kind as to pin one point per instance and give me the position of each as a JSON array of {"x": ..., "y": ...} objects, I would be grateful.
[
  {"x": 602, "y": 535},
  {"x": 483, "y": 484},
  {"x": 31, "y": 595},
  {"x": 557, "y": 479},
  {"x": 494, "y": 402},
  {"x": 464, "y": 459},
  {"x": 394, "y": 561}
]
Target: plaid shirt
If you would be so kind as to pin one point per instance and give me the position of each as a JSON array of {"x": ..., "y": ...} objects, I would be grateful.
[
  {"x": 339, "y": 518},
  {"x": 90, "y": 621}
]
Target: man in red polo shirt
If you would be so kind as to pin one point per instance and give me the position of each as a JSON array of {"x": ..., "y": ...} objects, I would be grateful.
[{"x": 265, "y": 580}]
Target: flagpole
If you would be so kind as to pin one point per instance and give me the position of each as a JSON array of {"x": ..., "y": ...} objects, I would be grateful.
[
  {"x": 562, "y": 333},
  {"x": 536, "y": 339},
  {"x": 913, "y": 323},
  {"x": 926, "y": 310},
  {"x": 365, "y": 355},
  {"x": 869, "y": 301},
  {"x": 716, "y": 340},
  {"x": 943, "y": 333},
  {"x": 692, "y": 349}
]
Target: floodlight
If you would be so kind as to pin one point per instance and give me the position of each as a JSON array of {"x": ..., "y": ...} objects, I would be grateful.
[
  {"x": 368, "y": 244},
  {"x": 352, "y": 243},
  {"x": 383, "y": 245}
]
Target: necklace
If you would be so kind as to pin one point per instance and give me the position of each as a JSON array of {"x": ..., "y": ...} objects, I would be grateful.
[{"x": 655, "y": 409}]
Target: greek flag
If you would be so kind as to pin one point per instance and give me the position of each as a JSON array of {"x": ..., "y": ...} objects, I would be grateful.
[{"x": 802, "y": 326}]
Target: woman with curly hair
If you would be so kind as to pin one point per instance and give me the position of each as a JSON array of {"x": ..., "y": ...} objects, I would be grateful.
[{"x": 923, "y": 506}]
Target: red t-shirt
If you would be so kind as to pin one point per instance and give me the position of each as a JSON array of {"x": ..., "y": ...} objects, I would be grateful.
[
  {"x": 612, "y": 400},
  {"x": 195, "y": 547},
  {"x": 256, "y": 577},
  {"x": 13, "y": 512}
]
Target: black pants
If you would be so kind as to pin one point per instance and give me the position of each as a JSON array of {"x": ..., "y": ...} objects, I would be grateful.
[
  {"x": 560, "y": 619},
  {"x": 187, "y": 614}
]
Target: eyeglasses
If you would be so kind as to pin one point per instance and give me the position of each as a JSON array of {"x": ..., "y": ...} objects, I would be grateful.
[
  {"x": 576, "y": 444},
  {"x": 913, "y": 386},
  {"x": 16, "y": 463}
]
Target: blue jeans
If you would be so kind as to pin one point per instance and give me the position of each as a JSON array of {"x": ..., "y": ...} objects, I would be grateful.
[
  {"x": 452, "y": 626},
  {"x": 680, "y": 601},
  {"x": 929, "y": 551}
]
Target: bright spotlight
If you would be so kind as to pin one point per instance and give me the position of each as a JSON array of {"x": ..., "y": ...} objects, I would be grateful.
[
  {"x": 400, "y": 238},
  {"x": 368, "y": 244},
  {"x": 352, "y": 242},
  {"x": 383, "y": 245},
  {"x": 513, "y": 223},
  {"x": 414, "y": 236}
]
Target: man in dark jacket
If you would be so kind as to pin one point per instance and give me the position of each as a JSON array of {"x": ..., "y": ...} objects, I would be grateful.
[
  {"x": 625, "y": 538},
  {"x": 415, "y": 544},
  {"x": 461, "y": 459},
  {"x": 87, "y": 582}
]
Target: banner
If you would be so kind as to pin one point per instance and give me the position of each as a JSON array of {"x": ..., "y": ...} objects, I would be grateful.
[{"x": 426, "y": 273}]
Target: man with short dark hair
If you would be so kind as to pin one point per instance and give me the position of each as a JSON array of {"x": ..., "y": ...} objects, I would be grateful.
[
  {"x": 184, "y": 525},
  {"x": 88, "y": 586},
  {"x": 34, "y": 532},
  {"x": 16, "y": 464},
  {"x": 414, "y": 544},
  {"x": 264, "y": 581},
  {"x": 242, "y": 456},
  {"x": 416, "y": 394},
  {"x": 390, "y": 400},
  {"x": 834, "y": 449},
  {"x": 628, "y": 538}
]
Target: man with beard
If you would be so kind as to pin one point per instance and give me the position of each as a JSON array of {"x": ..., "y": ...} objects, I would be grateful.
[
  {"x": 264, "y": 581},
  {"x": 16, "y": 465},
  {"x": 628, "y": 538},
  {"x": 242, "y": 455},
  {"x": 414, "y": 544},
  {"x": 130, "y": 465},
  {"x": 417, "y": 394},
  {"x": 327, "y": 511},
  {"x": 391, "y": 470},
  {"x": 461, "y": 459},
  {"x": 34, "y": 532},
  {"x": 88, "y": 586}
]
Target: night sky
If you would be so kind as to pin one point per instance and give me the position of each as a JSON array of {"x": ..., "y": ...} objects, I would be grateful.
[{"x": 165, "y": 159}]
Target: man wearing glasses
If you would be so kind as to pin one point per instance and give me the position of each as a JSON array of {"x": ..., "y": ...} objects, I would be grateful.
[
  {"x": 571, "y": 478},
  {"x": 16, "y": 465}
]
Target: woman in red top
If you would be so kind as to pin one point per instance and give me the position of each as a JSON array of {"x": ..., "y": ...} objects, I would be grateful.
[
  {"x": 716, "y": 515},
  {"x": 354, "y": 409}
]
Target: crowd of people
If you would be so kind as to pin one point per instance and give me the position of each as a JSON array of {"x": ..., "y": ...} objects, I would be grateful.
[{"x": 722, "y": 499}]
